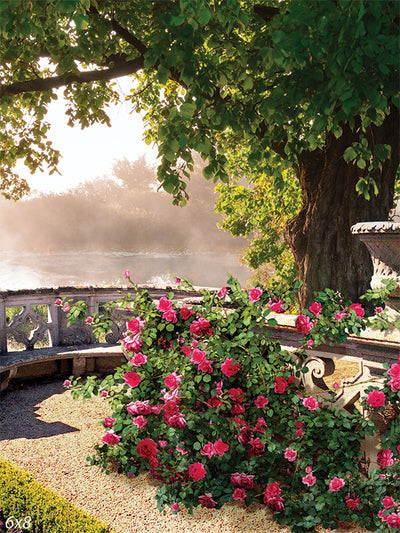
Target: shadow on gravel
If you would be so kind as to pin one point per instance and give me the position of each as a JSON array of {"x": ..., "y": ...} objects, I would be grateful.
[{"x": 18, "y": 417}]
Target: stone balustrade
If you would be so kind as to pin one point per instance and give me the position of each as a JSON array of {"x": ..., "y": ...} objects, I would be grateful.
[{"x": 38, "y": 333}]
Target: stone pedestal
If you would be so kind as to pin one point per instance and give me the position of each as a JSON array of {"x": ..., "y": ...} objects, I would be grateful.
[{"x": 383, "y": 242}]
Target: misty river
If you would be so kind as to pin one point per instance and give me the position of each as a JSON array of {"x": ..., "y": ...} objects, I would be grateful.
[{"x": 29, "y": 270}]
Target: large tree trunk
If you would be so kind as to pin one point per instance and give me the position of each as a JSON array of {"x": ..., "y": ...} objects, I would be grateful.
[{"x": 326, "y": 253}]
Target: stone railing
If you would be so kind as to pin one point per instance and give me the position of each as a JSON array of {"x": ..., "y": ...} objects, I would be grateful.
[{"x": 37, "y": 331}]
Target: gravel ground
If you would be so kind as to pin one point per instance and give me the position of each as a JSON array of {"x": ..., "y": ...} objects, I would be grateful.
[{"x": 43, "y": 430}]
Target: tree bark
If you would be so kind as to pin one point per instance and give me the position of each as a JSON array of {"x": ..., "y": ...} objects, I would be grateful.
[{"x": 327, "y": 255}]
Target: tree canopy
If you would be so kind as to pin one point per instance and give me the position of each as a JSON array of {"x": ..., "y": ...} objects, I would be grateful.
[{"x": 315, "y": 84}]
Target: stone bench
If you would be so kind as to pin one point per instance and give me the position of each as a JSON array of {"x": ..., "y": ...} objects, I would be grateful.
[{"x": 73, "y": 360}]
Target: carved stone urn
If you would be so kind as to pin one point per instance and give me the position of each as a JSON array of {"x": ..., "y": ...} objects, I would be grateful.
[{"x": 383, "y": 242}]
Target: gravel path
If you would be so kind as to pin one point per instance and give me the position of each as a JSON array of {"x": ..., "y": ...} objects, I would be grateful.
[{"x": 43, "y": 430}]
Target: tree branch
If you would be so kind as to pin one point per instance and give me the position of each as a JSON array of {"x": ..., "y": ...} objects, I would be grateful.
[
  {"x": 123, "y": 32},
  {"x": 121, "y": 68}
]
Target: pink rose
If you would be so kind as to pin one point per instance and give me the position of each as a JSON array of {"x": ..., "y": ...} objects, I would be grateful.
[
  {"x": 242, "y": 480},
  {"x": 255, "y": 294},
  {"x": 229, "y": 368},
  {"x": 309, "y": 480},
  {"x": 139, "y": 421},
  {"x": 177, "y": 280},
  {"x": 388, "y": 502},
  {"x": 303, "y": 324},
  {"x": 138, "y": 359},
  {"x": 66, "y": 308},
  {"x": 132, "y": 343},
  {"x": 394, "y": 384},
  {"x": 208, "y": 450},
  {"x": 393, "y": 520},
  {"x": 311, "y": 403},
  {"x": 378, "y": 309},
  {"x": 239, "y": 494},
  {"x": 394, "y": 371},
  {"x": 376, "y": 398},
  {"x": 220, "y": 448},
  {"x": 58, "y": 301},
  {"x": 135, "y": 325},
  {"x": 127, "y": 274},
  {"x": 280, "y": 385},
  {"x": 170, "y": 316},
  {"x": 201, "y": 327},
  {"x": 385, "y": 458},
  {"x": 358, "y": 310},
  {"x": 67, "y": 383},
  {"x": 257, "y": 447},
  {"x": 276, "y": 307},
  {"x": 164, "y": 305},
  {"x": 207, "y": 500},
  {"x": 206, "y": 366},
  {"x": 147, "y": 448},
  {"x": 222, "y": 292},
  {"x": 177, "y": 421},
  {"x": 310, "y": 343},
  {"x": 236, "y": 394},
  {"x": 172, "y": 381},
  {"x": 132, "y": 379},
  {"x": 352, "y": 502},
  {"x": 261, "y": 402},
  {"x": 162, "y": 443},
  {"x": 198, "y": 356},
  {"x": 175, "y": 507},
  {"x": 290, "y": 454},
  {"x": 111, "y": 438},
  {"x": 89, "y": 320},
  {"x": 103, "y": 393},
  {"x": 315, "y": 309},
  {"x": 336, "y": 484},
  {"x": 109, "y": 422},
  {"x": 139, "y": 408},
  {"x": 339, "y": 316},
  {"x": 197, "y": 471},
  {"x": 272, "y": 497},
  {"x": 187, "y": 351}
]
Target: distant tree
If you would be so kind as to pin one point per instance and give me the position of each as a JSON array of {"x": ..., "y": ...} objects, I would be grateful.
[{"x": 314, "y": 83}]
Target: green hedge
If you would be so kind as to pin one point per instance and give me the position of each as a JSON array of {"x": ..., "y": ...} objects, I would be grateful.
[{"x": 22, "y": 496}]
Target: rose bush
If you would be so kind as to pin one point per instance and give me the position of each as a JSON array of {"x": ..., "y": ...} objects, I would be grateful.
[{"x": 215, "y": 411}]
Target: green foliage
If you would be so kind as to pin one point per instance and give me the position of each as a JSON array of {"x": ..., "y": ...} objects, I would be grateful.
[
  {"x": 257, "y": 203},
  {"x": 206, "y": 396},
  {"x": 21, "y": 496},
  {"x": 281, "y": 77}
]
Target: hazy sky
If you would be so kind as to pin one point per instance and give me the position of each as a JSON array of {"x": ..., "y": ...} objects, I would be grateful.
[{"x": 90, "y": 153}]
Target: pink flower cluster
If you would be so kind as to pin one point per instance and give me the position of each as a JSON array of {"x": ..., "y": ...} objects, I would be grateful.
[
  {"x": 218, "y": 448},
  {"x": 242, "y": 480},
  {"x": 272, "y": 497},
  {"x": 394, "y": 373},
  {"x": 255, "y": 294},
  {"x": 110, "y": 437},
  {"x": 199, "y": 358},
  {"x": 229, "y": 368},
  {"x": 336, "y": 484},
  {"x": 165, "y": 306},
  {"x": 309, "y": 479},
  {"x": 201, "y": 326},
  {"x": 276, "y": 305}
]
